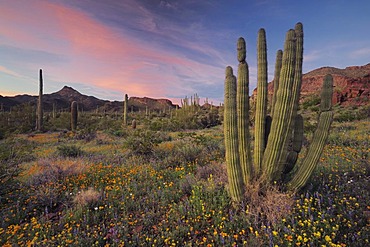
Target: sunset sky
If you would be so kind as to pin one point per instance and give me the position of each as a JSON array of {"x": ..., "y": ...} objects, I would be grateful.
[{"x": 165, "y": 48}]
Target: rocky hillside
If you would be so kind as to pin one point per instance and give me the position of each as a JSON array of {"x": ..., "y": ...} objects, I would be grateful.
[
  {"x": 352, "y": 84},
  {"x": 63, "y": 98}
]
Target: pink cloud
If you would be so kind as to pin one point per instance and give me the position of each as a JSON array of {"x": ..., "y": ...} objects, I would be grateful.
[{"x": 103, "y": 56}]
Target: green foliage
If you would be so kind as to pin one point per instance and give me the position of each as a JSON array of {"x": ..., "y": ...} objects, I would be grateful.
[
  {"x": 143, "y": 142},
  {"x": 313, "y": 100},
  {"x": 69, "y": 150},
  {"x": 12, "y": 153}
]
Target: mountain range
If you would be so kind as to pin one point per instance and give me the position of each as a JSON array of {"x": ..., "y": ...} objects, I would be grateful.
[
  {"x": 351, "y": 88},
  {"x": 351, "y": 85},
  {"x": 62, "y": 99}
]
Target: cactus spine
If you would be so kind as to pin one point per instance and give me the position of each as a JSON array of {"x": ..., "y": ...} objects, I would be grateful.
[
  {"x": 243, "y": 112},
  {"x": 74, "y": 114},
  {"x": 261, "y": 104},
  {"x": 40, "y": 112},
  {"x": 234, "y": 171},
  {"x": 125, "y": 110},
  {"x": 283, "y": 127}
]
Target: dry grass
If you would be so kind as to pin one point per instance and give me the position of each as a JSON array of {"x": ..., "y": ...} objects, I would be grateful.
[
  {"x": 266, "y": 203},
  {"x": 52, "y": 169},
  {"x": 87, "y": 197}
]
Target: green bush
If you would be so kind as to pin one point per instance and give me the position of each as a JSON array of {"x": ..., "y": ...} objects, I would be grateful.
[
  {"x": 143, "y": 142},
  {"x": 12, "y": 153},
  {"x": 69, "y": 151},
  {"x": 313, "y": 100}
]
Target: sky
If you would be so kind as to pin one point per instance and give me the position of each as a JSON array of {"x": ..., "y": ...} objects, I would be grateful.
[{"x": 166, "y": 48}]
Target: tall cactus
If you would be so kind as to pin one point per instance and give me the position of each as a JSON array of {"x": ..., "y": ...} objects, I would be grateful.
[
  {"x": 279, "y": 57},
  {"x": 125, "y": 110},
  {"x": 243, "y": 112},
  {"x": 234, "y": 170},
  {"x": 282, "y": 114},
  {"x": 74, "y": 116},
  {"x": 319, "y": 139},
  {"x": 286, "y": 126},
  {"x": 261, "y": 104},
  {"x": 40, "y": 111}
]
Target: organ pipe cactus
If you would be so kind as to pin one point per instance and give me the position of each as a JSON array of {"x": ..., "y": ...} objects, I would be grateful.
[
  {"x": 261, "y": 104},
  {"x": 319, "y": 139},
  {"x": 40, "y": 112},
  {"x": 74, "y": 115},
  {"x": 243, "y": 112},
  {"x": 272, "y": 135},
  {"x": 234, "y": 170},
  {"x": 279, "y": 57}
]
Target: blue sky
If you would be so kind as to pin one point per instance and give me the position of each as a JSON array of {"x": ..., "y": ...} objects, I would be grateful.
[{"x": 163, "y": 48}]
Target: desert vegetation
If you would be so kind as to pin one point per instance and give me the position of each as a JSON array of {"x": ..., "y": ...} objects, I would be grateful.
[{"x": 165, "y": 178}]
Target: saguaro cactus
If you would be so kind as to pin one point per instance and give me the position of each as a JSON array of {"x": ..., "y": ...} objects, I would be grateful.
[
  {"x": 40, "y": 111},
  {"x": 125, "y": 110},
  {"x": 74, "y": 115},
  {"x": 272, "y": 135}
]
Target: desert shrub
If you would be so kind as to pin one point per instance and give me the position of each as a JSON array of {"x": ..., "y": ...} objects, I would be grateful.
[
  {"x": 315, "y": 109},
  {"x": 60, "y": 122},
  {"x": 201, "y": 147},
  {"x": 210, "y": 118},
  {"x": 85, "y": 134},
  {"x": 46, "y": 198},
  {"x": 12, "y": 153},
  {"x": 51, "y": 170},
  {"x": 47, "y": 184},
  {"x": 309, "y": 126},
  {"x": 267, "y": 204},
  {"x": 189, "y": 152},
  {"x": 313, "y": 100},
  {"x": 69, "y": 151},
  {"x": 143, "y": 142},
  {"x": 186, "y": 184},
  {"x": 119, "y": 132},
  {"x": 215, "y": 170},
  {"x": 87, "y": 197},
  {"x": 345, "y": 116}
]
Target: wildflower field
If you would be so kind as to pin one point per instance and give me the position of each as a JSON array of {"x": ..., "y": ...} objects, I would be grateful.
[{"x": 156, "y": 188}]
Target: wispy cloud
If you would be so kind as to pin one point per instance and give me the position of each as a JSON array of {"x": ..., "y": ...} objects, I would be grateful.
[
  {"x": 362, "y": 52},
  {"x": 108, "y": 58},
  {"x": 9, "y": 72}
]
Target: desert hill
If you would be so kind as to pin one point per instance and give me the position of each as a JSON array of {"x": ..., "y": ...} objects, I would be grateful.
[
  {"x": 63, "y": 98},
  {"x": 351, "y": 84}
]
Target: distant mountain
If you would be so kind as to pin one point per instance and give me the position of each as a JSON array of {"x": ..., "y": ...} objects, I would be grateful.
[
  {"x": 351, "y": 85},
  {"x": 351, "y": 88},
  {"x": 64, "y": 97}
]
